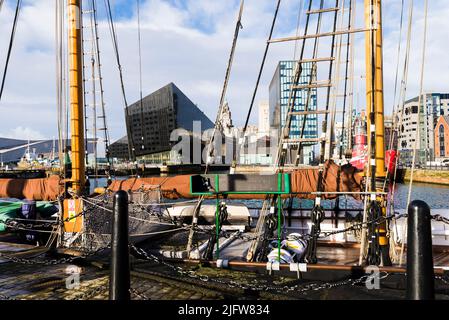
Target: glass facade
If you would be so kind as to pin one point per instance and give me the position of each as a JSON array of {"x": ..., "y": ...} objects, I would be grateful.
[
  {"x": 280, "y": 89},
  {"x": 152, "y": 120}
]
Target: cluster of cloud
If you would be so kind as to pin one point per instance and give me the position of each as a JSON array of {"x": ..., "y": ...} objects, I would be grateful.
[{"x": 187, "y": 42}]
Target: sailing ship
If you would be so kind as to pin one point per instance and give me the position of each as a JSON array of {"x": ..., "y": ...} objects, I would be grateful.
[{"x": 297, "y": 213}]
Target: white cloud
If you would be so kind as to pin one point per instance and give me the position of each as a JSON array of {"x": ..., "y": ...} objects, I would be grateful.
[
  {"x": 188, "y": 44},
  {"x": 23, "y": 133}
]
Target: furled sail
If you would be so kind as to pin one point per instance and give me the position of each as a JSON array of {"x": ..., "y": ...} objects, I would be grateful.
[
  {"x": 304, "y": 183},
  {"x": 46, "y": 189}
]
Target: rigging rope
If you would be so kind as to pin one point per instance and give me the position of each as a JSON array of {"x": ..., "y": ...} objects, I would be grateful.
[
  {"x": 59, "y": 76},
  {"x": 217, "y": 121},
  {"x": 11, "y": 42},
  {"x": 100, "y": 76},
  {"x": 348, "y": 49},
  {"x": 293, "y": 93},
  {"x": 351, "y": 83},
  {"x": 401, "y": 99},
  {"x": 273, "y": 24},
  {"x": 404, "y": 82},
  {"x": 336, "y": 86},
  {"x": 131, "y": 149},
  {"x": 392, "y": 135},
  {"x": 238, "y": 27},
  {"x": 420, "y": 102},
  {"x": 421, "y": 95},
  {"x": 325, "y": 123},
  {"x": 298, "y": 24},
  {"x": 142, "y": 147}
]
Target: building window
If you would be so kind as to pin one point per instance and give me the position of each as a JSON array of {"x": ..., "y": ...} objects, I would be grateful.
[{"x": 441, "y": 139}]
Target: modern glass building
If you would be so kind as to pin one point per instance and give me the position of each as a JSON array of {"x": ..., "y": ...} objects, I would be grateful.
[
  {"x": 151, "y": 121},
  {"x": 279, "y": 95}
]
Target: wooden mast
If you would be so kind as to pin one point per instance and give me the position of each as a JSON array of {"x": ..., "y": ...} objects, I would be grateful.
[
  {"x": 376, "y": 125},
  {"x": 374, "y": 59},
  {"x": 76, "y": 96}
]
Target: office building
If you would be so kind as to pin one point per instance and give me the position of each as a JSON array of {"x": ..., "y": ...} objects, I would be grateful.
[
  {"x": 150, "y": 122},
  {"x": 420, "y": 119},
  {"x": 279, "y": 96}
]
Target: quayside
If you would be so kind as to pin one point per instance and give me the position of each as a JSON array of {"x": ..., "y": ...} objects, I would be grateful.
[{"x": 292, "y": 231}]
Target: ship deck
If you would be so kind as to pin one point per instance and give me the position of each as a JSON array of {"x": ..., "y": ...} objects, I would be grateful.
[{"x": 155, "y": 281}]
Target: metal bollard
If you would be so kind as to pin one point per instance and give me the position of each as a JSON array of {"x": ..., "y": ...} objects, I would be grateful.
[
  {"x": 420, "y": 273},
  {"x": 119, "y": 280}
]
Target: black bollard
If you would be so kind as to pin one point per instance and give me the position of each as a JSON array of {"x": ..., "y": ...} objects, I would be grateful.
[
  {"x": 420, "y": 273},
  {"x": 119, "y": 280}
]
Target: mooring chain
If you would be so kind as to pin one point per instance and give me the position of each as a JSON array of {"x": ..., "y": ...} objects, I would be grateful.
[
  {"x": 138, "y": 294},
  {"x": 255, "y": 287},
  {"x": 92, "y": 293},
  {"x": 442, "y": 278},
  {"x": 52, "y": 261},
  {"x": 321, "y": 235},
  {"x": 15, "y": 224},
  {"x": 440, "y": 218},
  {"x": 6, "y": 298},
  {"x": 181, "y": 271}
]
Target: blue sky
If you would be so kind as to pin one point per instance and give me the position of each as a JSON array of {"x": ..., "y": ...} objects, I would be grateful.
[{"x": 187, "y": 42}]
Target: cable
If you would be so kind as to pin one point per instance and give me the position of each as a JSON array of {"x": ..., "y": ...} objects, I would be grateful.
[
  {"x": 11, "y": 42},
  {"x": 393, "y": 130},
  {"x": 140, "y": 76},
  {"x": 298, "y": 24},
  {"x": 293, "y": 93},
  {"x": 220, "y": 111},
  {"x": 261, "y": 67},
  {"x": 131, "y": 148},
  {"x": 348, "y": 44},
  {"x": 331, "y": 66},
  {"x": 59, "y": 78},
  {"x": 238, "y": 27},
  {"x": 417, "y": 137},
  {"x": 100, "y": 76},
  {"x": 421, "y": 94}
]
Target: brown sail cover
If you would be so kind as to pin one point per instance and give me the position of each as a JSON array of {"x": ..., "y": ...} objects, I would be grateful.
[
  {"x": 46, "y": 189},
  {"x": 335, "y": 179},
  {"x": 303, "y": 182}
]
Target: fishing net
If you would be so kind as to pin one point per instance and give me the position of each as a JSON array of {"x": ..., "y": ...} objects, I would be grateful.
[{"x": 147, "y": 216}]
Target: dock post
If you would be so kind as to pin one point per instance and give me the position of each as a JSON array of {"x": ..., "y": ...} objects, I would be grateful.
[
  {"x": 119, "y": 279},
  {"x": 420, "y": 273}
]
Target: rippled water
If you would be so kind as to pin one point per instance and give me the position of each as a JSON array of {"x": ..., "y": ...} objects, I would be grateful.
[{"x": 437, "y": 197}]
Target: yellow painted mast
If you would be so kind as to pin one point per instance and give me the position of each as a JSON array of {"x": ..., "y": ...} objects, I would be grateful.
[
  {"x": 373, "y": 17},
  {"x": 375, "y": 121},
  {"x": 76, "y": 96}
]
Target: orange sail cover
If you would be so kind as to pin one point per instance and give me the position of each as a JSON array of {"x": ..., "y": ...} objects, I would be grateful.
[
  {"x": 46, "y": 189},
  {"x": 303, "y": 183}
]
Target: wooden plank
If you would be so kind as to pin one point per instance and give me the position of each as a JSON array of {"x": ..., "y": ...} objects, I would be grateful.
[
  {"x": 319, "y": 35},
  {"x": 323, "y": 10}
]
